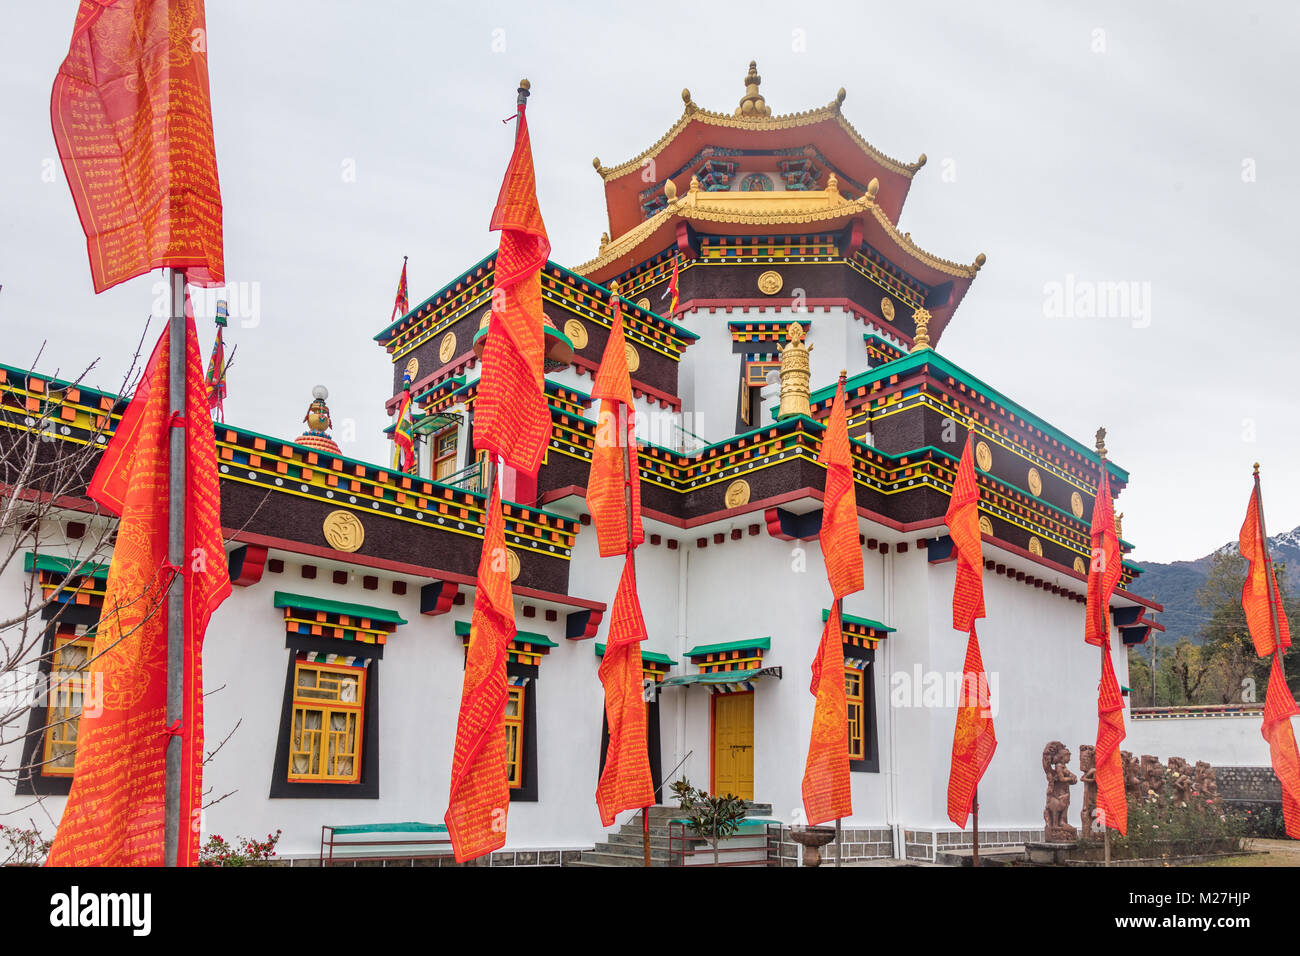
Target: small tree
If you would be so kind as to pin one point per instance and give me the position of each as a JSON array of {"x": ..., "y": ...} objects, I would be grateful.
[{"x": 712, "y": 818}]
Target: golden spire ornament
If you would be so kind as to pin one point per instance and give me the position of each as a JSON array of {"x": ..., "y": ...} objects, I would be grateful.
[
  {"x": 921, "y": 340},
  {"x": 796, "y": 369},
  {"x": 751, "y": 104},
  {"x": 1101, "y": 443}
]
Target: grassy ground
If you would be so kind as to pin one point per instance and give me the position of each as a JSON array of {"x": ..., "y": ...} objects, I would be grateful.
[{"x": 1276, "y": 853}]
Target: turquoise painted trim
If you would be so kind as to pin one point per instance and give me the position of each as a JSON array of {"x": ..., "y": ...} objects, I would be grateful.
[
  {"x": 524, "y": 637},
  {"x": 645, "y": 656},
  {"x": 49, "y": 562},
  {"x": 285, "y": 599},
  {"x": 763, "y": 643},
  {"x": 860, "y": 621}
]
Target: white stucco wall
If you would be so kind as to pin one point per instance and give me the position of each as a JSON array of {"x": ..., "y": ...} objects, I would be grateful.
[{"x": 1219, "y": 741}]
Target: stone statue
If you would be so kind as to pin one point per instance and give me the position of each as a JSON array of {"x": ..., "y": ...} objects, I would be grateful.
[
  {"x": 1207, "y": 787},
  {"x": 1153, "y": 776},
  {"x": 1088, "y": 777},
  {"x": 1132, "y": 776},
  {"x": 1056, "y": 767},
  {"x": 1183, "y": 784},
  {"x": 795, "y": 372}
]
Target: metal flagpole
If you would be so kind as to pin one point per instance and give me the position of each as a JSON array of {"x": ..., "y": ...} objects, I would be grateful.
[
  {"x": 176, "y": 556},
  {"x": 975, "y": 813},
  {"x": 839, "y": 613}
]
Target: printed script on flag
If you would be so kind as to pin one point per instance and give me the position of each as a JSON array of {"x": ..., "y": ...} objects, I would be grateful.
[
  {"x": 826, "y": 790},
  {"x": 114, "y": 813},
  {"x": 1103, "y": 579},
  {"x": 132, "y": 120},
  {"x": 608, "y": 490},
  {"x": 625, "y": 783},
  {"x": 480, "y": 793}
]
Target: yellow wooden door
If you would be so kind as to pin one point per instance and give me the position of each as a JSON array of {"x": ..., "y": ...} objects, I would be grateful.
[{"x": 733, "y": 744}]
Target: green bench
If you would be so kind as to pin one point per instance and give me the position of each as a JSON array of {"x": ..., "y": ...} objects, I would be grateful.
[{"x": 382, "y": 841}]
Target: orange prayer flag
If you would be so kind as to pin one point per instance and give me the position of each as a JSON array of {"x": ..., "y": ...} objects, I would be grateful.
[
  {"x": 1279, "y": 708},
  {"x": 826, "y": 791},
  {"x": 841, "y": 549},
  {"x": 625, "y": 783},
  {"x": 605, "y": 482},
  {"x": 973, "y": 740},
  {"x": 963, "y": 520},
  {"x": 114, "y": 813},
  {"x": 1103, "y": 577},
  {"x": 1106, "y": 564},
  {"x": 1261, "y": 588},
  {"x": 1112, "y": 803},
  {"x": 132, "y": 120},
  {"x": 511, "y": 418},
  {"x": 480, "y": 791}
]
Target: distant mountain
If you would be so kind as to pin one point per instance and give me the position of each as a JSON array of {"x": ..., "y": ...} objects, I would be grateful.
[{"x": 1175, "y": 585}]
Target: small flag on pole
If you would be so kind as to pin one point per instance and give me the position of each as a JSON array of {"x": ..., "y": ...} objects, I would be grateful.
[
  {"x": 401, "y": 304},
  {"x": 404, "y": 430}
]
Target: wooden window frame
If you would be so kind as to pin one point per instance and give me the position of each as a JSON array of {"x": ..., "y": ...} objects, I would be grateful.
[
  {"x": 856, "y": 701},
  {"x": 515, "y": 768},
  {"x": 328, "y": 708},
  {"x": 436, "y": 459},
  {"x": 62, "y": 682}
]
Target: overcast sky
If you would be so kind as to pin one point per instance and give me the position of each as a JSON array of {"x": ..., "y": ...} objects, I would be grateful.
[{"x": 1151, "y": 143}]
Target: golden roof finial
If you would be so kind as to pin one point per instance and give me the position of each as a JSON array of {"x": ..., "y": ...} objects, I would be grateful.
[
  {"x": 751, "y": 104},
  {"x": 833, "y": 185},
  {"x": 1256, "y": 469},
  {"x": 1119, "y": 525},
  {"x": 979, "y": 261},
  {"x": 670, "y": 190},
  {"x": 921, "y": 340},
  {"x": 695, "y": 184},
  {"x": 613, "y": 287},
  {"x": 873, "y": 188},
  {"x": 1101, "y": 442}
]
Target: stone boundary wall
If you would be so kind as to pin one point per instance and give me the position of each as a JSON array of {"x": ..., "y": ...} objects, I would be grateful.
[
  {"x": 499, "y": 858},
  {"x": 859, "y": 844},
  {"x": 1248, "y": 784}
]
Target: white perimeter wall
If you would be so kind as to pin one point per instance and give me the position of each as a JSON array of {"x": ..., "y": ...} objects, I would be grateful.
[{"x": 1219, "y": 741}]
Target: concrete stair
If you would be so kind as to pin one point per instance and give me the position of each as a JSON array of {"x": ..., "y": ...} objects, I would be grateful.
[{"x": 624, "y": 846}]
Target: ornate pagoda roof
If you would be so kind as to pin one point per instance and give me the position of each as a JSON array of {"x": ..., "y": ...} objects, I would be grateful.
[{"x": 753, "y": 126}]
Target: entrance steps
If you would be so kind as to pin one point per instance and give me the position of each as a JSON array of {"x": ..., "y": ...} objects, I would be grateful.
[{"x": 624, "y": 846}]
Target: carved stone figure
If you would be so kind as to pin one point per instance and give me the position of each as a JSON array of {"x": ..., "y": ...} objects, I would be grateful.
[
  {"x": 1088, "y": 777},
  {"x": 1056, "y": 767},
  {"x": 1153, "y": 776},
  {"x": 1207, "y": 786},
  {"x": 1132, "y": 775},
  {"x": 1183, "y": 784}
]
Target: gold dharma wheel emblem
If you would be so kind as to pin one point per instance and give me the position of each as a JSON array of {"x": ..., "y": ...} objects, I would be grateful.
[
  {"x": 887, "y": 308},
  {"x": 1035, "y": 546},
  {"x": 770, "y": 282},
  {"x": 986, "y": 526},
  {"x": 413, "y": 368},
  {"x": 1079, "y": 566},
  {"x": 633, "y": 357},
  {"x": 512, "y": 561},
  {"x": 487, "y": 317},
  {"x": 448, "y": 347},
  {"x": 343, "y": 531},
  {"x": 737, "y": 493},
  {"x": 983, "y": 456},
  {"x": 576, "y": 333},
  {"x": 1076, "y": 504},
  {"x": 643, "y": 303},
  {"x": 1035, "y": 482}
]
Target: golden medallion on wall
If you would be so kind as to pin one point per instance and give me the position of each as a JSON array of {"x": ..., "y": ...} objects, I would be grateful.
[
  {"x": 1035, "y": 482},
  {"x": 1079, "y": 566},
  {"x": 413, "y": 368},
  {"x": 887, "y": 308},
  {"x": 983, "y": 456},
  {"x": 737, "y": 493},
  {"x": 643, "y": 303},
  {"x": 576, "y": 333},
  {"x": 1035, "y": 546},
  {"x": 770, "y": 282},
  {"x": 986, "y": 526},
  {"x": 633, "y": 357},
  {"x": 343, "y": 531},
  {"x": 487, "y": 317},
  {"x": 448, "y": 347},
  {"x": 1076, "y": 504},
  {"x": 512, "y": 560}
]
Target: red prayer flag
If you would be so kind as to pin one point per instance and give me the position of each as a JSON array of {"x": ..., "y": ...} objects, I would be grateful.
[
  {"x": 839, "y": 532},
  {"x": 973, "y": 739},
  {"x": 625, "y": 783},
  {"x": 510, "y": 413},
  {"x": 1105, "y": 566},
  {"x": 672, "y": 288},
  {"x": 963, "y": 520},
  {"x": 826, "y": 791},
  {"x": 132, "y": 120},
  {"x": 1103, "y": 578},
  {"x": 1261, "y": 587},
  {"x": 114, "y": 813},
  {"x": 402, "y": 303},
  {"x": 606, "y": 485},
  {"x": 480, "y": 791},
  {"x": 1279, "y": 708}
]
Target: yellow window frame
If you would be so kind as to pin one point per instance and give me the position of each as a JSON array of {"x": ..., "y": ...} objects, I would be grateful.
[
  {"x": 515, "y": 737},
  {"x": 855, "y": 692},
  {"x": 64, "y": 703},
  {"x": 322, "y": 749}
]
